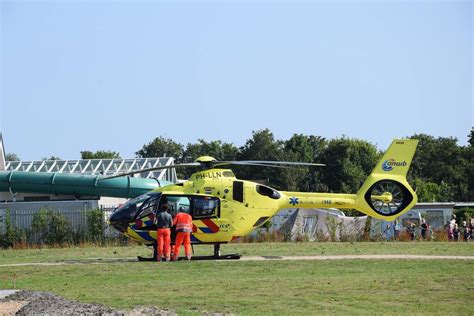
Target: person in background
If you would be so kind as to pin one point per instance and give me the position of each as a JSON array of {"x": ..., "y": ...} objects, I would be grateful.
[
  {"x": 184, "y": 227},
  {"x": 466, "y": 233},
  {"x": 471, "y": 226},
  {"x": 423, "y": 229},
  {"x": 388, "y": 232},
  {"x": 411, "y": 230},
  {"x": 453, "y": 219},
  {"x": 163, "y": 232},
  {"x": 449, "y": 230},
  {"x": 456, "y": 232},
  {"x": 396, "y": 229}
]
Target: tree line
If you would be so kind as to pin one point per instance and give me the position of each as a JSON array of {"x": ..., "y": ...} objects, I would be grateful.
[{"x": 442, "y": 170}]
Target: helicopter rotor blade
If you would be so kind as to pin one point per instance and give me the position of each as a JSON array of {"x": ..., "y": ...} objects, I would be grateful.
[
  {"x": 247, "y": 163},
  {"x": 190, "y": 164},
  {"x": 276, "y": 164},
  {"x": 291, "y": 163}
]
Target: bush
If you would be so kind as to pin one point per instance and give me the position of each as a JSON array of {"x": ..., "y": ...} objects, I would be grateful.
[
  {"x": 463, "y": 214},
  {"x": 96, "y": 226},
  {"x": 51, "y": 228},
  {"x": 12, "y": 235}
]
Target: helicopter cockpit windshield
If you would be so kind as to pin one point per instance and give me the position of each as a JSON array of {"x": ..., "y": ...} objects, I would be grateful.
[
  {"x": 139, "y": 208},
  {"x": 134, "y": 208},
  {"x": 149, "y": 205}
]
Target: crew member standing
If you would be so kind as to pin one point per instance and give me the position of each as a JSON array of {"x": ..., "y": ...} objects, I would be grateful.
[
  {"x": 164, "y": 222},
  {"x": 184, "y": 227}
]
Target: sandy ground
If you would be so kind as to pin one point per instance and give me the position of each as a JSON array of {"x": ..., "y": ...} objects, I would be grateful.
[
  {"x": 354, "y": 257},
  {"x": 11, "y": 307}
]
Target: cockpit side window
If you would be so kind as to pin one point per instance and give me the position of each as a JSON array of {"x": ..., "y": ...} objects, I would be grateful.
[
  {"x": 205, "y": 207},
  {"x": 149, "y": 206},
  {"x": 199, "y": 207},
  {"x": 267, "y": 191}
]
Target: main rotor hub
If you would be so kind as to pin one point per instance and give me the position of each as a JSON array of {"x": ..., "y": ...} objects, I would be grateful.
[{"x": 206, "y": 159}]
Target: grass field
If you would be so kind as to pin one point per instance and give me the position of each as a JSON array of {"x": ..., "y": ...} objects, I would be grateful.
[{"x": 259, "y": 287}]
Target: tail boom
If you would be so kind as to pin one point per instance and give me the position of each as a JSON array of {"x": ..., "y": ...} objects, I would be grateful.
[{"x": 385, "y": 194}]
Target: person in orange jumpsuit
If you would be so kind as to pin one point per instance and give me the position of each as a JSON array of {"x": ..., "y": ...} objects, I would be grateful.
[
  {"x": 163, "y": 232},
  {"x": 184, "y": 227}
]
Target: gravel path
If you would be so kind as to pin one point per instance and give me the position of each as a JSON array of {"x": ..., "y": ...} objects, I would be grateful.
[
  {"x": 254, "y": 258},
  {"x": 361, "y": 257},
  {"x": 43, "y": 303}
]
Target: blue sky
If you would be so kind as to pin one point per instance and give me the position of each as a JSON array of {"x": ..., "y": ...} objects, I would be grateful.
[{"x": 112, "y": 75}]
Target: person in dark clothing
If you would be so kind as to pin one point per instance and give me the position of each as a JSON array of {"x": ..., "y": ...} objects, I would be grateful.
[
  {"x": 164, "y": 222},
  {"x": 456, "y": 232},
  {"x": 424, "y": 229},
  {"x": 396, "y": 229},
  {"x": 471, "y": 228},
  {"x": 466, "y": 232},
  {"x": 411, "y": 230}
]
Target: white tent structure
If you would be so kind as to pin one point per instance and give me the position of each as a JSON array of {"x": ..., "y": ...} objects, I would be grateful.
[{"x": 323, "y": 225}]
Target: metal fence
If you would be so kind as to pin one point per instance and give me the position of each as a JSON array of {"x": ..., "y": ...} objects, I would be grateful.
[{"x": 77, "y": 218}]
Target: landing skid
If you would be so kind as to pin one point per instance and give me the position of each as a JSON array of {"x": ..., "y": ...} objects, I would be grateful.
[
  {"x": 232, "y": 256},
  {"x": 217, "y": 256}
]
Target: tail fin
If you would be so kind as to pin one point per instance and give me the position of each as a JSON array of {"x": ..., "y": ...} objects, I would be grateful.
[{"x": 386, "y": 193}]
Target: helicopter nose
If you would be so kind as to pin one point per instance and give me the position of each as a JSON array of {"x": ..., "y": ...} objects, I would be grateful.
[{"x": 122, "y": 216}]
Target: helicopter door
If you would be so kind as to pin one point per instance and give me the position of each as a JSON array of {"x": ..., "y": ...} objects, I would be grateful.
[{"x": 206, "y": 212}]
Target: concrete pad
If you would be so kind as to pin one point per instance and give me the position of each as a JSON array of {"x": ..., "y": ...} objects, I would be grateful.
[{"x": 5, "y": 293}]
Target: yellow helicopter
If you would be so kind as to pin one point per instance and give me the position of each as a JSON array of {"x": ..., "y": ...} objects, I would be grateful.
[{"x": 224, "y": 208}]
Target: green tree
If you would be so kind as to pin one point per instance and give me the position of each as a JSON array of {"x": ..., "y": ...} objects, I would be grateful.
[
  {"x": 100, "y": 154},
  {"x": 469, "y": 173},
  {"x": 314, "y": 181},
  {"x": 161, "y": 147},
  {"x": 442, "y": 161},
  {"x": 469, "y": 168},
  {"x": 12, "y": 157},
  {"x": 432, "y": 192},
  {"x": 348, "y": 163},
  {"x": 471, "y": 138},
  {"x": 216, "y": 149},
  {"x": 302, "y": 148},
  {"x": 262, "y": 146},
  {"x": 51, "y": 158}
]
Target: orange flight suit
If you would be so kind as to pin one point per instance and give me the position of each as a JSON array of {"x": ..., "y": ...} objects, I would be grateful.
[
  {"x": 184, "y": 227},
  {"x": 164, "y": 222},
  {"x": 164, "y": 239}
]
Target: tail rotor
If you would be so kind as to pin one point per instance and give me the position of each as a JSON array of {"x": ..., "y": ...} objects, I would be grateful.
[
  {"x": 386, "y": 193},
  {"x": 388, "y": 197}
]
